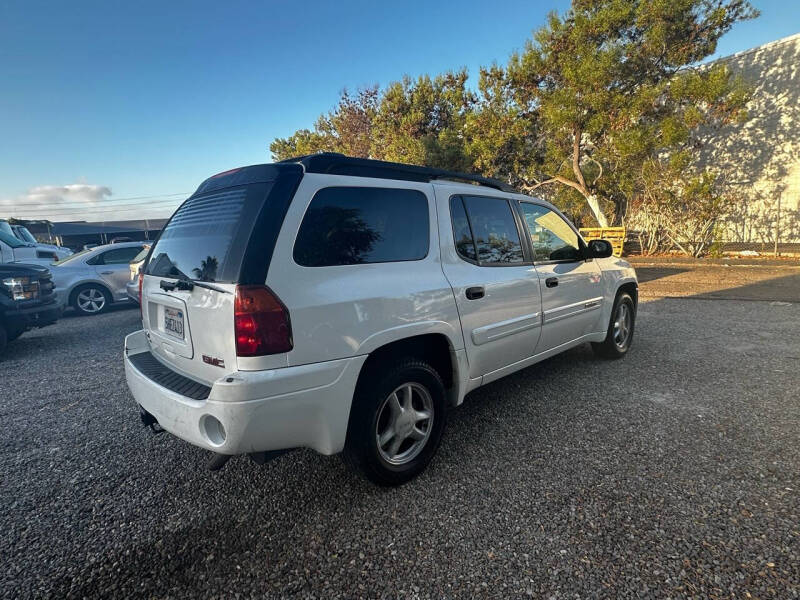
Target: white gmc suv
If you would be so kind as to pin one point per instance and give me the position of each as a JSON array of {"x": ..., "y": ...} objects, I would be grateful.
[{"x": 342, "y": 304}]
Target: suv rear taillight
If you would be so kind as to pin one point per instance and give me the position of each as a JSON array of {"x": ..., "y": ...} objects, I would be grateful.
[
  {"x": 141, "y": 280},
  {"x": 261, "y": 322}
]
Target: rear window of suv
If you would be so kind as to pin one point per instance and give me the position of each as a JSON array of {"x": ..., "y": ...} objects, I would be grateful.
[
  {"x": 359, "y": 225},
  {"x": 226, "y": 231},
  {"x": 206, "y": 237}
]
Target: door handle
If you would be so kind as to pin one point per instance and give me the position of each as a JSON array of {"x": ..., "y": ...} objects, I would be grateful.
[
  {"x": 474, "y": 293},
  {"x": 106, "y": 272},
  {"x": 551, "y": 281}
]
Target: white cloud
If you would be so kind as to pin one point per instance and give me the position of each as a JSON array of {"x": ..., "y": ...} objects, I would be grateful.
[
  {"x": 56, "y": 202},
  {"x": 78, "y": 202}
]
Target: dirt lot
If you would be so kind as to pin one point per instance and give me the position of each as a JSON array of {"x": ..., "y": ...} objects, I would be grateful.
[
  {"x": 731, "y": 280},
  {"x": 671, "y": 473}
]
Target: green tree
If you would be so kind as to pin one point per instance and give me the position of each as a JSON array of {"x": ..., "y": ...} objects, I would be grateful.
[
  {"x": 346, "y": 129},
  {"x": 612, "y": 87},
  {"x": 421, "y": 121},
  {"x": 503, "y": 138}
]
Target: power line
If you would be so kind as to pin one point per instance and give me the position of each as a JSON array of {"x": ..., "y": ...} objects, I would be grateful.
[
  {"x": 99, "y": 208},
  {"x": 85, "y": 216},
  {"x": 107, "y": 200}
]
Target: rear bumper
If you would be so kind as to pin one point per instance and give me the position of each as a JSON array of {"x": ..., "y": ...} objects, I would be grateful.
[{"x": 303, "y": 406}]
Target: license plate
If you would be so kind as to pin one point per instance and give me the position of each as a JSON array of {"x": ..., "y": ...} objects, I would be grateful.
[{"x": 173, "y": 322}]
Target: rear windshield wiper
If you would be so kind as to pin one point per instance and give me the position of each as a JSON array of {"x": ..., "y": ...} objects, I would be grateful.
[{"x": 189, "y": 285}]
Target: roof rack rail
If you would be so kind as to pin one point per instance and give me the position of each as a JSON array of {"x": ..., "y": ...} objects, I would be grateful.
[{"x": 334, "y": 163}]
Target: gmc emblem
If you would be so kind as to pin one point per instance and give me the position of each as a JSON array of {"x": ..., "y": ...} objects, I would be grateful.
[{"x": 216, "y": 362}]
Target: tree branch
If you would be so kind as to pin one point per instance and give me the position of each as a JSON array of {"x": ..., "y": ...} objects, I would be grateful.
[
  {"x": 576, "y": 156},
  {"x": 600, "y": 174},
  {"x": 559, "y": 179}
]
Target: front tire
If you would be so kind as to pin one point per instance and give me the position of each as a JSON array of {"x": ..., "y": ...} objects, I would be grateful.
[
  {"x": 3, "y": 339},
  {"x": 396, "y": 422},
  {"x": 12, "y": 334},
  {"x": 91, "y": 299},
  {"x": 620, "y": 329}
]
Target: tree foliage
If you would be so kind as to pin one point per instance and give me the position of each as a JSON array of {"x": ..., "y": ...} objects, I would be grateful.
[
  {"x": 677, "y": 207},
  {"x": 348, "y": 129},
  {"x": 592, "y": 102},
  {"x": 612, "y": 88}
]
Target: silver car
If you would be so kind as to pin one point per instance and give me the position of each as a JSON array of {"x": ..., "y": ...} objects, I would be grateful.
[{"x": 91, "y": 280}]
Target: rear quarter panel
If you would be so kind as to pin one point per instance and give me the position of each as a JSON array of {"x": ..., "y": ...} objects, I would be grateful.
[{"x": 350, "y": 310}]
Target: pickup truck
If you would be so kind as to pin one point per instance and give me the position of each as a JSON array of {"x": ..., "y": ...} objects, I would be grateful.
[
  {"x": 13, "y": 249},
  {"x": 27, "y": 300}
]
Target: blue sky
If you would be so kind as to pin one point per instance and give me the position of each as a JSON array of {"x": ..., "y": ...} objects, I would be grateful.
[{"x": 104, "y": 101}]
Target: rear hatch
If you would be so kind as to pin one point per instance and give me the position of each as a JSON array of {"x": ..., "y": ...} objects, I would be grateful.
[{"x": 220, "y": 238}]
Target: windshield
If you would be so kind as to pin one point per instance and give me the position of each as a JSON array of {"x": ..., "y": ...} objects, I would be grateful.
[
  {"x": 141, "y": 256},
  {"x": 72, "y": 257},
  {"x": 206, "y": 238},
  {"x": 5, "y": 228},
  {"x": 9, "y": 239},
  {"x": 24, "y": 234}
]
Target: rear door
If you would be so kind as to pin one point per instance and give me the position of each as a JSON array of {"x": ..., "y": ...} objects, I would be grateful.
[
  {"x": 572, "y": 296},
  {"x": 218, "y": 238},
  {"x": 112, "y": 267},
  {"x": 494, "y": 282}
]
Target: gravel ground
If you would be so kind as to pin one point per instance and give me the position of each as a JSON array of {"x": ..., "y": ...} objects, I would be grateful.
[
  {"x": 731, "y": 280},
  {"x": 671, "y": 473}
]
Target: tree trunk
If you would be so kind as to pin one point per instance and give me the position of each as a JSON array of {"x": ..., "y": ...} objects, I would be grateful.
[{"x": 594, "y": 204}]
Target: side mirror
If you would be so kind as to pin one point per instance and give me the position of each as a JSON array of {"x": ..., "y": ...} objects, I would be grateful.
[{"x": 600, "y": 249}]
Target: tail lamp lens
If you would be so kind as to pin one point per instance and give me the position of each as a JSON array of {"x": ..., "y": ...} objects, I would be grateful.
[{"x": 261, "y": 322}]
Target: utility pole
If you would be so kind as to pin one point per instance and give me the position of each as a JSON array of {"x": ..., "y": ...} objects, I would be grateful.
[{"x": 778, "y": 224}]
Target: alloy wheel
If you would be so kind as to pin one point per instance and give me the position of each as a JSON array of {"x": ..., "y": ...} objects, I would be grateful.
[
  {"x": 405, "y": 423},
  {"x": 91, "y": 300},
  {"x": 622, "y": 325}
]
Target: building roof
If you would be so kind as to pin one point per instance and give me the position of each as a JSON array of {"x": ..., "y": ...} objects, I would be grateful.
[
  {"x": 791, "y": 39},
  {"x": 86, "y": 228}
]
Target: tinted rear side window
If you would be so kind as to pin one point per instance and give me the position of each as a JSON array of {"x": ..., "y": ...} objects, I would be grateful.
[
  {"x": 494, "y": 229},
  {"x": 207, "y": 236},
  {"x": 357, "y": 225},
  {"x": 462, "y": 235}
]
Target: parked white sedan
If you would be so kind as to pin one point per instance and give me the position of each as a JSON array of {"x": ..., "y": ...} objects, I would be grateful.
[
  {"x": 91, "y": 280},
  {"x": 132, "y": 287}
]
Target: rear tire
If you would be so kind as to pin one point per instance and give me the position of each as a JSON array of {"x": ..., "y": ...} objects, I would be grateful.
[
  {"x": 91, "y": 299},
  {"x": 3, "y": 339},
  {"x": 396, "y": 422},
  {"x": 619, "y": 336}
]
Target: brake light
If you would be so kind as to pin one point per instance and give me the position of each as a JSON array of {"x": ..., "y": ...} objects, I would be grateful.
[
  {"x": 224, "y": 173},
  {"x": 261, "y": 322},
  {"x": 141, "y": 280}
]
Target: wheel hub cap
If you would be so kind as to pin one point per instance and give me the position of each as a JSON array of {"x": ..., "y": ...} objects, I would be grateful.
[
  {"x": 91, "y": 300},
  {"x": 622, "y": 325},
  {"x": 404, "y": 425}
]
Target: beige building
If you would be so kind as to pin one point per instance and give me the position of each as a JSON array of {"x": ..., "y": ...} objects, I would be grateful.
[{"x": 760, "y": 159}]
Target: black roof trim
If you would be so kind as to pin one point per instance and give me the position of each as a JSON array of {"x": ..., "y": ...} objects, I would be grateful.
[{"x": 333, "y": 163}]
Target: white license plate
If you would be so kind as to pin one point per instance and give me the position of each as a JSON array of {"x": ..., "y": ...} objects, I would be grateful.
[{"x": 173, "y": 322}]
